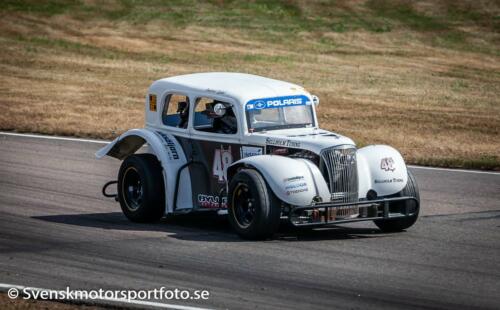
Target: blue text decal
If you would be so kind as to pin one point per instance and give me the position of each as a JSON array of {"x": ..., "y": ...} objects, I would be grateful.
[{"x": 277, "y": 102}]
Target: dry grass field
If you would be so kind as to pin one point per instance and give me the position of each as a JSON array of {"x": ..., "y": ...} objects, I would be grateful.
[{"x": 423, "y": 76}]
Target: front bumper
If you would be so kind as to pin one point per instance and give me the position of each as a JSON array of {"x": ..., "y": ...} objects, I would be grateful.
[{"x": 324, "y": 213}]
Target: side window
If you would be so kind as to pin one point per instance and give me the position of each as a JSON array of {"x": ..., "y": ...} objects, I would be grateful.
[
  {"x": 176, "y": 111},
  {"x": 220, "y": 120}
]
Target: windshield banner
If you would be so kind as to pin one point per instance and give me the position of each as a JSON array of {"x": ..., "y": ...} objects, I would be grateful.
[{"x": 277, "y": 102}]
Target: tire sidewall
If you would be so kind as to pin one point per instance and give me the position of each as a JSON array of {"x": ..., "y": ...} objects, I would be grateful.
[
  {"x": 395, "y": 225},
  {"x": 267, "y": 213},
  {"x": 153, "y": 198}
]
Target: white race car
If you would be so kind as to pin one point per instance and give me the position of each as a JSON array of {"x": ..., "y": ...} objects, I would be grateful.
[{"x": 251, "y": 147}]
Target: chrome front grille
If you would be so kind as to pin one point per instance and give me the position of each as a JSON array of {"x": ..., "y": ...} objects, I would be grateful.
[{"x": 339, "y": 167}]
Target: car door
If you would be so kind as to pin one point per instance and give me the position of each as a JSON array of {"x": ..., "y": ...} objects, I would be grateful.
[{"x": 213, "y": 148}]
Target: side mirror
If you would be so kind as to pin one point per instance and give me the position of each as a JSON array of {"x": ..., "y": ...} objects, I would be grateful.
[
  {"x": 315, "y": 100},
  {"x": 219, "y": 109}
]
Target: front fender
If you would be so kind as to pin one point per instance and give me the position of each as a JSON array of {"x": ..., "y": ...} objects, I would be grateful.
[
  {"x": 380, "y": 168},
  {"x": 166, "y": 149},
  {"x": 294, "y": 181}
]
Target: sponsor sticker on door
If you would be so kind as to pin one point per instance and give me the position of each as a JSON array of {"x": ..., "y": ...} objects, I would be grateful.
[{"x": 249, "y": 151}]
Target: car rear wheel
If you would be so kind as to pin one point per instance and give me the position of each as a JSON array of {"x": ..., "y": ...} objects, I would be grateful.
[
  {"x": 254, "y": 210},
  {"x": 141, "y": 189},
  {"x": 395, "y": 225}
]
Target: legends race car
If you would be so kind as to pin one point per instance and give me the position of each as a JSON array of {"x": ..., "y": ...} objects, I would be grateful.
[{"x": 250, "y": 147}]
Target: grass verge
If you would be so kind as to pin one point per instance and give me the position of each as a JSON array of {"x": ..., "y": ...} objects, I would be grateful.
[{"x": 421, "y": 76}]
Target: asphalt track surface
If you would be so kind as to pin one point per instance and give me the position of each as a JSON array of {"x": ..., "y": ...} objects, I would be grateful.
[{"x": 56, "y": 230}]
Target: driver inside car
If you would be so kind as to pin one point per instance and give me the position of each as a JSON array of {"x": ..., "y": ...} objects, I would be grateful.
[
  {"x": 225, "y": 123},
  {"x": 183, "y": 110}
]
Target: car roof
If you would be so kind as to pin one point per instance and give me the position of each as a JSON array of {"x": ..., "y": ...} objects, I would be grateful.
[{"x": 240, "y": 86}]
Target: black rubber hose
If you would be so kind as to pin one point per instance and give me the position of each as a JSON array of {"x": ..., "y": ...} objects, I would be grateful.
[{"x": 106, "y": 186}]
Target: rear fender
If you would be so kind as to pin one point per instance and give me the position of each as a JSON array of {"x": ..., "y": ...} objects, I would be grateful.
[
  {"x": 168, "y": 151},
  {"x": 294, "y": 181},
  {"x": 380, "y": 168}
]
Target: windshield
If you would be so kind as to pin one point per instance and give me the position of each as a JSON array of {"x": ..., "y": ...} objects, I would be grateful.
[{"x": 279, "y": 113}]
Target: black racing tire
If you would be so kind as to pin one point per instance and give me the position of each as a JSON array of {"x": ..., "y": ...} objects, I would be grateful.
[
  {"x": 141, "y": 189},
  {"x": 254, "y": 210},
  {"x": 396, "y": 225}
]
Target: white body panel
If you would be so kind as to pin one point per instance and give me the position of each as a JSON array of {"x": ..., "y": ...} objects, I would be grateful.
[
  {"x": 311, "y": 139},
  {"x": 384, "y": 180},
  {"x": 294, "y": 181},
  {"x": 169, "y": 153},
  {"x": 299, "y": 181}
]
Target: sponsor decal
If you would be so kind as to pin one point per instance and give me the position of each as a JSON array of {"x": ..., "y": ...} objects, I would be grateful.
[
  {"x": 293, "y": 179},
  {"x": 393, "y": 180},
  {"x": 152, "y": 102},
  {"x": 259, "y": 105},
  {"x": 170, "y": 146},
  {"x": 387, "y": 164},
  {"x": 249, "y": 151},
  {"x": 277, "y": 102},
  {"x": 282, "y": 142},
  {"x": 210, "y": 201},
  {"x": 219, "y": 92},
  {"x": 222, "y": 160},
  {"x": 295, "y": 185},
  {"x": 296, "y": 191}
]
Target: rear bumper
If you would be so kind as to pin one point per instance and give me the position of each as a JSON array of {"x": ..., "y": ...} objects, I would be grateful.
[{"x": 369, "y": 210}]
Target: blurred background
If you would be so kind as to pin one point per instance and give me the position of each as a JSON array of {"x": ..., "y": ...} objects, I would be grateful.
[{"x": 423, "y": 76}]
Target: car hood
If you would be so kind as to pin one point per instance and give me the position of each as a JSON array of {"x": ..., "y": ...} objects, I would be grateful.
[{"x": 310, "y": 139}]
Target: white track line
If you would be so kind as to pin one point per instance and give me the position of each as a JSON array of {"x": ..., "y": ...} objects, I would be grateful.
[
  {"x": 106, "y": 142},
  {"x": 26, "y": 135},
  {"x": 454, "y": 170},
  {"x": 4, "y": 287}
]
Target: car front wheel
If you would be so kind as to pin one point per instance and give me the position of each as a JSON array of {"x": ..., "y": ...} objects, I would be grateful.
[
  {"x": 395, "y": 225},
  {"x": 254, "y": 210}
]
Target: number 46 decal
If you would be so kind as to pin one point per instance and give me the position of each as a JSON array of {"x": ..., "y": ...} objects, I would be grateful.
[
  {"x": 222, "y": 160},
  {"x": 387, "y": 164}
]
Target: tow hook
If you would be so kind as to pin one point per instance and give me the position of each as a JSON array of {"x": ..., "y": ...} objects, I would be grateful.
[{"x": 109, "y": 195}]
